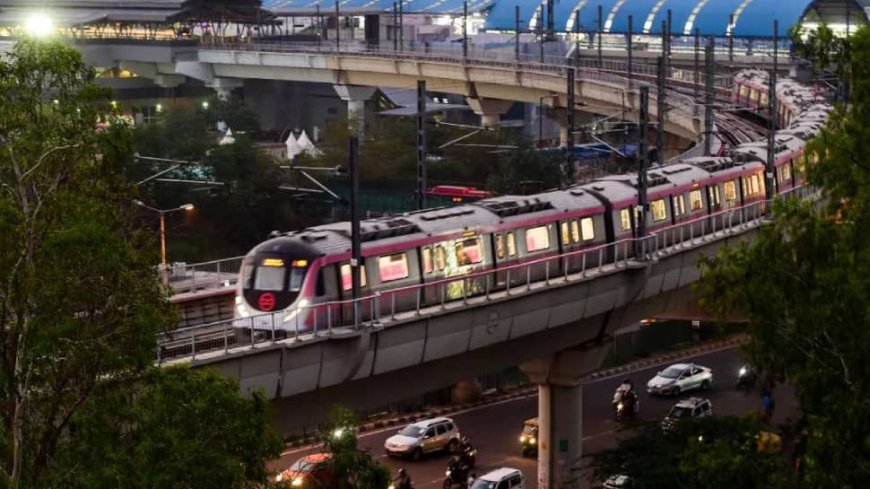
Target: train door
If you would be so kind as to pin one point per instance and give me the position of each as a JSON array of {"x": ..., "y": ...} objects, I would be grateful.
[{"x": 505, "y": 252}]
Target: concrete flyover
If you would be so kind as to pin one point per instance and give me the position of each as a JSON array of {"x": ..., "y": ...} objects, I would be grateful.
[
  {"x": 478, "y": 79},
  {"x": 401, "y": 354}
]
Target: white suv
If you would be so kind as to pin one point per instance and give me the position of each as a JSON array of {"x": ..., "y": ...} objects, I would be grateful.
[
  {"x": 692, "y": 407},
  {"x": 423, "y": 437},
  {"x": 503, "y": 478}
]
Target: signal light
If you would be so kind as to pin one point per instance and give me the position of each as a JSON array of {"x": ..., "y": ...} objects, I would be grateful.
[{"x": 299, "y": 263}]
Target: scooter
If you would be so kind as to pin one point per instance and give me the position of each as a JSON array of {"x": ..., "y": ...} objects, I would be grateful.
[
  {"x": 626, "y": 408},
  {"x": 746, "y": 378}
]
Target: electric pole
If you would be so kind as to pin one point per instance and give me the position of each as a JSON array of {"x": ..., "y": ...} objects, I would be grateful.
[
  {"x": 708, "y": 97},
  {"x": 771, "y": 121},
  {"x": 660, "y": 108},
  {"x": 421, "y": 144},
  {"x": 355, "y": 238},
  {"x": 641, "y": 167},
  {"x": 569, "y": 163}
]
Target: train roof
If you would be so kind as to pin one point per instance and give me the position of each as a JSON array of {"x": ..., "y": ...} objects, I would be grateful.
[
  {"x": 556, "y": 202},
  {"x": 720, "y": 166},
  {"x": 785, "y": 143},
  {"x": 803, "y": 130},
  {"x": 618, "y": 192}
]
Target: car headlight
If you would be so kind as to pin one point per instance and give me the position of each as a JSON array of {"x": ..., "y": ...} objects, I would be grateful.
[
  {"x": 532, "y": 440},
  {"x": 447, "y": 473},
  {"x": 742, "y": 371},
  {"x": 391, "y": 486},
  {"x": 279, "y": 478},
  {"x": 522, "y": 439},
  {"x": 297, "y": 482}
]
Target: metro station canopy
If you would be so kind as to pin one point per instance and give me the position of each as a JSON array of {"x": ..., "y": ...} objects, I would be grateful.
[{"x": 752, "y": 18}]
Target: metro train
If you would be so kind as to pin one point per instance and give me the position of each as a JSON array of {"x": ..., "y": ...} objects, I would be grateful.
[{"x": 296, "y": 280}]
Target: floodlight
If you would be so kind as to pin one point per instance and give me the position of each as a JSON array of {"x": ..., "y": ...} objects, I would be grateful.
[{"x": 39, "y": 24}]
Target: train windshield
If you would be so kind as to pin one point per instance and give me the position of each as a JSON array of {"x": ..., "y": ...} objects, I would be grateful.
[{"x": 270, "y": 278}]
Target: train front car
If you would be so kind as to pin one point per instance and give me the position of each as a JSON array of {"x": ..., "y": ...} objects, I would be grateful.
[{"x": 276, "y": 285}]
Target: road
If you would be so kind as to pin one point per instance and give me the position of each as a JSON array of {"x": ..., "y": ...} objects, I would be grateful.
[{"x": 494, "y": 429}]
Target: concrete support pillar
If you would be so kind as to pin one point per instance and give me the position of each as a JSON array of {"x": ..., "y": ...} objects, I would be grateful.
[
  {"x": 489, "y": 109},
  {"x": 223, "y": 87},
  {"x": 356, "y": 97},
  {"x": 465, "y": 392},
  {"x": 560, "y": 412}
]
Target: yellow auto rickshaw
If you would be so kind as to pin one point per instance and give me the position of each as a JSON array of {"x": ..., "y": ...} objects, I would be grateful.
[{"x": 529, "y": 437}]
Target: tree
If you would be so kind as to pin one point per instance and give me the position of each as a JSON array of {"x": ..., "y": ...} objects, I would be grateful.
[
  {"x": 525, "y": 171},
  {"x": 703, "y": 453},
  {"x": 803, "y": 283},
  {"x": 182, "y": 428},
  {"x": 80, "y": 300},
  {"x": 354, "y": 468}
]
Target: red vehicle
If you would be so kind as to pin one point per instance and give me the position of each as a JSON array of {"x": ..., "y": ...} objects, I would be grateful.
[
  {"x": 309, "y": 472},
  {"x": 458, "y": 193}
]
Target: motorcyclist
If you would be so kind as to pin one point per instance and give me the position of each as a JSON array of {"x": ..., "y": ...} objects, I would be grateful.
[
  {"x": 625, "y": 392},
  {"x": 466, "y": 451},
  {"x": 403, "y": 480},
  {"x": 457, "y": 471}
]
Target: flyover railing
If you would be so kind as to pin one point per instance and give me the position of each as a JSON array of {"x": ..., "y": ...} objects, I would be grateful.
[
  {"x": 476, "y": 55},
  {"x": 483, "y": 286},
  {"x": 185, "y": 278}
]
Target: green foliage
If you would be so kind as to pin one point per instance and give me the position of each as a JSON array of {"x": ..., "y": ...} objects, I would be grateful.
[
  {"x": 803, "y": 283},
  {"x": 233, "y": 111},
  {"x": 704, "y": 453},
  {"x": 182, "y": 132},
  {"x": 80, "y": 303},
  {"x": 354, "y": 469},
  {"x": 181, "y": 428},
  {"x": 525, "y": 171}
]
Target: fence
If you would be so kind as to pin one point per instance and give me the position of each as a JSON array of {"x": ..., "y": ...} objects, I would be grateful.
[{"x": 185, "y": 278}]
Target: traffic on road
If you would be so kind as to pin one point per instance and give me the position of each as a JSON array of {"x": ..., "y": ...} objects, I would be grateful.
[{"x": 501, "y": 432}]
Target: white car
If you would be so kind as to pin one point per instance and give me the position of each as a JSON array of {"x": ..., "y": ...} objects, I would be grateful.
[
  {"x": 503, "y": 478},
  {"x": 423, "y": 437},
  {"x": 680, "y": 377},
  {"x": 693, "y": 407}
]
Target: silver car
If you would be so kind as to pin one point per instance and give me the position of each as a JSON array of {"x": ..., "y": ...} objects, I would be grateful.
[
  {"x": 680, "y": 377},
  {"x": 423, "y": 437}
]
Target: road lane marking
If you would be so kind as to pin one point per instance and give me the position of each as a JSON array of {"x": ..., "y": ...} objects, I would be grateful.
[{"x": 528, "y": 396}]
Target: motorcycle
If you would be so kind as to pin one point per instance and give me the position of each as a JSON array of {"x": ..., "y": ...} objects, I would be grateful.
[
  {"x": 470, "y": 455},
  {"x": 746, "y": 377},
  {"x": 626, "y": 407},
  {"x": 457, "y": 473}
]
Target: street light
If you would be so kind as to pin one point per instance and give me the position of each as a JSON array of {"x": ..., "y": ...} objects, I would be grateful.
[
  {"x": 205, "y": 106},
  {"x": 162, "y": 213},
  {"x": 39, "y": 24}
]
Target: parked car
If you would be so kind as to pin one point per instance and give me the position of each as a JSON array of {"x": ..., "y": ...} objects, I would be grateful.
[
  {"x": 680, "y": 377},
  {"x": 309, "y": 472},
  {"x": 693, "y": 407},
  {"x": 422, "y": 437},
  {"x": 503, "y": 478}
]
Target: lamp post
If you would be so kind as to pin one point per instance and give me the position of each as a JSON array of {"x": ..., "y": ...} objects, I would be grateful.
[{"x": 162, "y": 213}]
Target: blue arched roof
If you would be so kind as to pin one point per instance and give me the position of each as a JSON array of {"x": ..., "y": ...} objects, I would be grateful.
[{"x": 753, "y": 18}]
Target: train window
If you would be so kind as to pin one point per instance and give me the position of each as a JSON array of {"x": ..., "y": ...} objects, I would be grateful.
[
  {"x": 427, "y": 259},
  {"x": 440, "y": 258},
  {"x": 511, "y": 244},
  {"x": 696, "y": 203},
  {"x": 744, "y": 90},
  {"x": 297, "y": 275},
  {"x": 537, "y": 239},
  {"x": 346, "y": 278},
  {"x": 730, "y": 191},
  {"x": 625, "y": 218},
  {"x": 588, "y": 228},
  {"x": 750, "y": 185},
  {"x": 763, "y": 98},
  {"x": 657, "y": 207},
  {"x": 753, "y": 95},
  {"x": 393, "y": 267},
  {"x": 566, "y": 233},
  {"x": 575, "y": 231},
  {"x": 499, "y": 245},
  {"x": 270, "y": 278},
  {"x": 468, "y": 251},
  {"x": 786, "y": 172},
  {"x": 679, "y": 205}
]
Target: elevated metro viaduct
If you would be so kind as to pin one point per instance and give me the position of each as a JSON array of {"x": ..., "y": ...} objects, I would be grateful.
[{"x": 556, "y": 329}]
